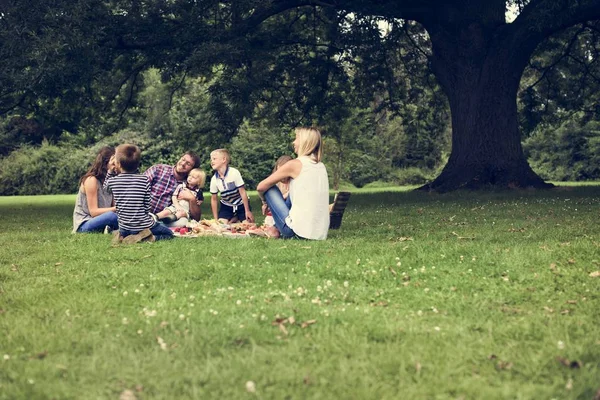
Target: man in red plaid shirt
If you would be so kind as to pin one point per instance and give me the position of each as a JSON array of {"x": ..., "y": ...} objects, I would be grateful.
[{"x": 165, "y": 178}]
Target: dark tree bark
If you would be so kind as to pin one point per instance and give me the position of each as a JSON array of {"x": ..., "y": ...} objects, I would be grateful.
[
  {"x": 479, "y": 59},
  {"x": 480, "y": 74}
]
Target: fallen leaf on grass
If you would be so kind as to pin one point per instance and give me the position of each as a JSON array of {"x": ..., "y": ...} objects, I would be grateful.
[
  {"x": 306, "y": 247},
  {"x": 308, "y": 323},
  {"x": 565, "y": 312},
  {"x": 570, "y": 364},
  {"x": 14, "y": 267},
  {"x": 571, "y": 301},
  {"x": 595, "y": 274},
  {"x": 250, "y": 387},
  {"x": 58, "y": 264},
  {"x": 571, "y": 261},
  {"x": 283, "y": 329},
  {"x": 512, "y": 310},
  {"x": 127, "y": 395},
  {"x": 306, "y": 380},
  {"x": 504, "y": 365},
  {"x": 280, "y": 323},
  {"x": 380, "y": 304},
  {"x": 463, "y": 237},
  {"x": 548, "y": 309},
  {"x": 161, "y": 343},
  {"x": 41, "y": 356},
  {"x": 569, "y": 384},
  {"x": 393, "y": 272}
]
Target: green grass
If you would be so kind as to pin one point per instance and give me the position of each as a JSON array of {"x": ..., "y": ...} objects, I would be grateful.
[{"x": 418, "y": 296}]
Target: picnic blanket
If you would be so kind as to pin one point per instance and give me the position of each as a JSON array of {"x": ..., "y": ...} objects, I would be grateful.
[{"x": 211, "y": 227}]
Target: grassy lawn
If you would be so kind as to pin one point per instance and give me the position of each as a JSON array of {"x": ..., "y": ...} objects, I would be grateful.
[{"x": 418, "y": 296}]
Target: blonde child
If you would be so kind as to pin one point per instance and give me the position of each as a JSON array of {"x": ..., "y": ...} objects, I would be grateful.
[
  {"x": 181, "y": 208},
  {"x": 284, "y": 187},
  {"x": 228, "y": 183}
]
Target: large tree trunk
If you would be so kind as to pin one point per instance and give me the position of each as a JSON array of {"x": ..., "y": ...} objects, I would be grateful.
[{"x": 481, "y": 80}]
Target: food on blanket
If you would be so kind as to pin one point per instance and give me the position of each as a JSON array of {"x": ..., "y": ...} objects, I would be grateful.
[
  {"x": 207, "y": 232},
  {"x": 183, "y": 231},
  {"x": 242, "y": 226}
]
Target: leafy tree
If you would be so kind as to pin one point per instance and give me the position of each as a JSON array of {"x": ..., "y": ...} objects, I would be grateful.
[
  {"x": 256, "y": 148},
  {"x": 292, "y": 53}
]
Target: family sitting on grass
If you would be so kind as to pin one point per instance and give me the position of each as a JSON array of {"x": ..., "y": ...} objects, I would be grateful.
[{"x": 114, "y": 196}]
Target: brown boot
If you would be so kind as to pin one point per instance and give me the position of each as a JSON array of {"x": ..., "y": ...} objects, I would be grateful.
[
  {"x": 138, "y": 237},
  {"x": 149, "y": 239},
  {"x": 116, "y": 238}
]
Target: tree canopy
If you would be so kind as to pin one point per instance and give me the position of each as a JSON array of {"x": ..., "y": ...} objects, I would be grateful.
[{"x": 75, "y": 62}]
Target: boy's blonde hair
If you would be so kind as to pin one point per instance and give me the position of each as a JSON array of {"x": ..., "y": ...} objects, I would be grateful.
[
  {"x": 200, "y": 174},
  {"x": 224, "y": 153},
  {"x": 310, "y": 143},
  {"x": 128, "y": 156}
]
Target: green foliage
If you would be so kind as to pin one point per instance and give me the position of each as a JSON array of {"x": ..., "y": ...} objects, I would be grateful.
[
  {"x": 51, "y": 169},
  {"x": 256, "y": 148},
  {"x": 42, "y": 170},
  {"x": 569, "y": 153}
]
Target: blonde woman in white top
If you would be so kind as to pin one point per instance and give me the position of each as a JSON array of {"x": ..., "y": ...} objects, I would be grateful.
[{"x": 305, "y": 213}]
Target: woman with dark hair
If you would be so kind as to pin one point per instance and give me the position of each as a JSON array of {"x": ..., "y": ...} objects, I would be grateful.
[{"x": 94, "y": 208}]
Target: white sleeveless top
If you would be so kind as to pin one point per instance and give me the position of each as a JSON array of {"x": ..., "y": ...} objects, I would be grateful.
[{"x": 309, "y": 194}]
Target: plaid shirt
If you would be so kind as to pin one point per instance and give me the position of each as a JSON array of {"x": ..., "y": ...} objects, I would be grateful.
[{"x": 162, "y": 186}]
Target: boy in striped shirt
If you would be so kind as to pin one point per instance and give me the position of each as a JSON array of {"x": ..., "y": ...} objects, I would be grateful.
[{"x": 131, "y": 192}]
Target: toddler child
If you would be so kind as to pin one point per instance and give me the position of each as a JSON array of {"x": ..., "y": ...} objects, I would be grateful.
[
  {"x": 227, "y": 181},
  {"x": 181, "y": 208},
  {"x": 131, "y": 192}
]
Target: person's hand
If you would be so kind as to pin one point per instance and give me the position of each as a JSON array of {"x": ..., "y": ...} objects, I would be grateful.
[
  {"x": 186, "y": 195},
  {"x": 249, "y": 216},
  {"x": 265, "y": 209}
]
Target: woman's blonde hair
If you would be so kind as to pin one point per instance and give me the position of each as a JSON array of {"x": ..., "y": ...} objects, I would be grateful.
[
  {"x": 310, "y": 143},
  {"x": 200, "y": 174}
]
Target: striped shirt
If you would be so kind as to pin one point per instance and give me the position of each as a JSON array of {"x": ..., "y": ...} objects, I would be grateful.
[
  {"x": 229, "y": 186},
  {"x": 162, "y": 185},
  {"x": 131, "y": 192}
]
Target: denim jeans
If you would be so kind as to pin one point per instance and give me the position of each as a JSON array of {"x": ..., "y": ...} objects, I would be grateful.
[
  {"x": 98, "y": 223},
  {"x": 159, "y": 230},
  {"x": 280, "y": 208}
]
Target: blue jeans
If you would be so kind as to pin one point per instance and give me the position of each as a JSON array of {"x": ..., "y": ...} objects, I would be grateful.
[
  {"x": 159, "y": 230},
  {"x": 97, "y": 224},
  {"x": 280, "y": 208}
]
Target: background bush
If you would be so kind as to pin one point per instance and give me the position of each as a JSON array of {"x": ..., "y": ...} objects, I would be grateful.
[{"x": 569, "y": 153}]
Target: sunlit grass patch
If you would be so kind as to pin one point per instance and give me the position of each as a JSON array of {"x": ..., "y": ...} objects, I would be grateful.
[{"x": 465, "y": 295}]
